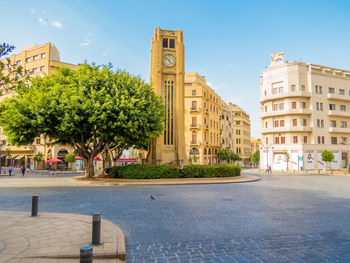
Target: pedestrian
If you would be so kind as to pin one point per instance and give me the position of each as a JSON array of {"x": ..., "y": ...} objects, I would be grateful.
[
  {"x": 267, "y": 169},
  {"x": 23, "y": 170},
  {"x": 10, "y": 169},
  {"x": 270, "y": 168}
]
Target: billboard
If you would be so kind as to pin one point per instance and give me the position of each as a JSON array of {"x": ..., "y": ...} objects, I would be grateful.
[
  {"x": 279, "y": 162},
  {"x": 309, "y": 160}
]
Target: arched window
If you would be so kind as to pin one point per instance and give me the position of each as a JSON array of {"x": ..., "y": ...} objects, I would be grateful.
[
  {"x": 194, "y": 137},
  {"x": 205, "y": 151},
  {"x": 216, "y": 151},
  {"x": 194, "y": 151},
  {"x": 209, "y": 151}
]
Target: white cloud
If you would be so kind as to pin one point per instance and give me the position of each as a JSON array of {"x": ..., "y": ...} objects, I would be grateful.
[
  {"x": 42, "y": 21},
  {"x": 32, "y": 10},
  {"x": 56, "y": 24},
  {"x": 85, "y": 43}
]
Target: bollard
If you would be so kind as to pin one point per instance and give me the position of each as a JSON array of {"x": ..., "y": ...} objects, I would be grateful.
[
  {"x": 86, "y": 254},
  {"x": 96, "y": 229},
  {"x": 35, "y": 200}
]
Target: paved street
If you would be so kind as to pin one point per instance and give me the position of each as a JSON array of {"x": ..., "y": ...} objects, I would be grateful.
[{"x": 281, "y": 218}]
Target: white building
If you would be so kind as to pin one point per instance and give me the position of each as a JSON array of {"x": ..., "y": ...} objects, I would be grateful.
[{"x": 305, "y": 109}]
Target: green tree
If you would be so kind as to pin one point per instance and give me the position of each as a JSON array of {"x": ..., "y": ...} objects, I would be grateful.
[
  {"x": 234, "y": 157},
  {"x": 194, "y": 157},
  {"x": 90, "y": 109},
  {"x": 327, "y": 156},
  {"x": 223, "y": 154},
  {"x": 38, "y": 157},
  {"x": 287, "y": 156},
  {"x": 70, "y": 158},
  {"x": 255, "y": 158},
  {"x": 5, "y": 49}
]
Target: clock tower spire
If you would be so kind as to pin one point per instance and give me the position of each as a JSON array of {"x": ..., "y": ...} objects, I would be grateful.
[{"x": 167, "y": 80}]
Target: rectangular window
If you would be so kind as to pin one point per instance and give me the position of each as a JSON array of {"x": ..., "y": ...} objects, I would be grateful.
[
  {"x": 238, "y": 122},
  {"x": 331, "y": 90},
  {"x": 172, "y": 43},
  {"x": 333, "y": 124},
  {"x": 322, "y": 139},
  {"x": 294, "y": 105},
  {"x": 267, "y": 140},
  {"x": 27, "y": 60},
  {"x": 37, "y": 141},
  {"x": 280, "y": 89},
  {"x": 266, "y": 124},
  {"x": 193, "y": 92},
  {"x": 302, "y": 88},
  {"x": 304, "y": 122},
  {"x": 275, "y": 107},
  {"x": 42, "y": 68},
  {"x": 302, "y": 105},
  {"x": 319, "y": 140},
  {"x": 316, "y": 89},
  {"x": 35, "y": 70},
  {"x": 295, "y": 139},
  {"x": 276, "y": 124},
  {"x": 331, "y": 106},
  {"x": 305, "y": 139},
  {"x": 343, "y": 124},
  {"x": 165, "y": 42},
  {"x": 277, "y": 140},
  {"x": 281, "y": 106},
  {"x": 36, "y": 57},
  {"x": 274, "y": 91},
  {"x": 281, "y": 123},
  {"x": 342, "y": 108},
  {"x": 320, "y": 89},
  {"x": 265, "y": 108},
  {"x": 341, "y": 92},
  {"x": 283, "y": 140},
  {"x": 293, "y": 88},
  {"x": 318, "y": 123},
  {"x": 317, "y": 106},
  {"x": 42, "y": 55},
  {"x": 18, "y": 62},
  {"x": 322, "y": 124},
  {"x": 333, "y": 140},
  {"x": 321, "y": 106},
  {"x": 294, "y": 122}
]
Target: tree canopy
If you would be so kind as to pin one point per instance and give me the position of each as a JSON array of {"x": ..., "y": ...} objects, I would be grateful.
[
  {"x": 89, "y": 109},
  {"x": 5, "y": 49},
  {"x": 327, "y": 156},
  {"x": 255, "y": 158}
]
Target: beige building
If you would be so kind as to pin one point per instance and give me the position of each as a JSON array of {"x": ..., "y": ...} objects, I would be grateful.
[
  {"x": 203, "y": 124},
  {"x": 305, "y": 109},
  {"x": 167, "y": 79},
  {"x": 241, "y": 134},
  {"x": 39, "y": 60},
  {"x": 255, "y": 144}
]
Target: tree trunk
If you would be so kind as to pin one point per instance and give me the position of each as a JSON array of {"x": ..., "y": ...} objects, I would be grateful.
[{"x": 89, "y": 168}]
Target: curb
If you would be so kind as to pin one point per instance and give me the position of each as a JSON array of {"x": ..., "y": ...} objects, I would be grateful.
[{"x": 178, "y": 181}]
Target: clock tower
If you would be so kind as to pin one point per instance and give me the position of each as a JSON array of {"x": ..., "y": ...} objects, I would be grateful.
[{"x": 167, "y": 80}]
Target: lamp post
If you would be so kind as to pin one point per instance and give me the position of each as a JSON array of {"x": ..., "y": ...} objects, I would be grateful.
[{"x": 267, "y": 147}]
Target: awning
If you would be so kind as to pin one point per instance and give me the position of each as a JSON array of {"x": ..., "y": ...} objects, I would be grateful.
[
  {"x": 78, "y": 158},
  {"x": 127, "y": 160},
  {"x": 18, "y": 157},
  {"x": 53, "y": 160}
]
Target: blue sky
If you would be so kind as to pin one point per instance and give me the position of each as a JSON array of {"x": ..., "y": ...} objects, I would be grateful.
[{"x": 229, "y": 42}]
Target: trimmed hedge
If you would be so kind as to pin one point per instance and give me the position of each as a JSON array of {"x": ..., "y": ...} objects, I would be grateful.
[{"x": 138, "y": 171}]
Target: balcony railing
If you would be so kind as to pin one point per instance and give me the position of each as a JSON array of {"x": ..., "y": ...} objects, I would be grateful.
[
  {"x": 286, "y": 112},
  {"x": 289, "y": 94},
  {"x": 194, "y": 109},
  {"x": 194, "y": 143},
  {"x": 195, "y": 126},
  {"x": 339, "y": 113},
  {"x": 287, "y": 129}
]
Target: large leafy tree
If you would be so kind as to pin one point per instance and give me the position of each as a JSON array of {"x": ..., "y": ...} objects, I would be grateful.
[
  {"x": 255, "y": 158},
  {"x": 223, "y": 154},
  {"x": 90, "y": 109}
]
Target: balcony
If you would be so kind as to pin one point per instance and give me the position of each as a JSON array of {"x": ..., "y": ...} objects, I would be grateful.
[
  {"x": 287, "y": 129},
  {"x": 195, "y": 126},
  {"x": 206, "y": 126},
  {"x": 194, "y": 109},
  {"x": 339, "y": 130},
  {"x": 339, "y": 113},
  {"x": 194, "y": 143},
  {"x": 286, "y": 112},
  {"x": 289, "y": 94},
  {"x": 206, "y": 110},
  {"x": 333, "y": 96}
]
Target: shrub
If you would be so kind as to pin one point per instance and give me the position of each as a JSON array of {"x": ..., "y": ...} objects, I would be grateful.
[{"x": 138, "y": 171}]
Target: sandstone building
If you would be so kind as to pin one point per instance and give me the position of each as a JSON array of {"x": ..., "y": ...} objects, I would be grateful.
[{"x": 305, "y": 109}]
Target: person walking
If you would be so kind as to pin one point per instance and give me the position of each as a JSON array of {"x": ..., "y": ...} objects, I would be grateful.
[
  {"x": 10, "y": 169},
  {"x": 23, "y": 170}
]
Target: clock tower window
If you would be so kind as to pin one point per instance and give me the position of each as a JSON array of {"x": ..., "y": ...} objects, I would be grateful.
[
  {"x": 165, "y": 42},
  {"x": 172, "y": 43}
]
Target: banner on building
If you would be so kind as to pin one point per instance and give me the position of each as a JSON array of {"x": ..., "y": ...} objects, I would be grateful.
[
  {"x": 336, "y": 161},
  {"x": 309, "y": 160},
  {"x": 279, "y": 162},
  {"x": 296, "y": 161},
  {"x": 321, "y": 164}
]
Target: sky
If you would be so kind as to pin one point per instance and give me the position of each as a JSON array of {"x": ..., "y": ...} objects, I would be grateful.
[{"x": 228, "y": 42}]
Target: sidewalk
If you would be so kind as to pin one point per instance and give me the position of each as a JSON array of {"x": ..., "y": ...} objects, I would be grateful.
[
  {"x": 54, "y": 237},
  {"x": 291, "y": 172},
  {"x": 177, "y": 181}
]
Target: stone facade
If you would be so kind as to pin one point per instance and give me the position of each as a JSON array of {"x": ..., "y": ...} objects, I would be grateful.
[{"x": 304, "y": 110}]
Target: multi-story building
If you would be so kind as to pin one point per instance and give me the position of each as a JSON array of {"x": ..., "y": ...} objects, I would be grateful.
[
  {"x": 304, "y": 110},
  {"x": 241, "y": 133},
  {"x": 226, "y": 127},
  {"x": 38, "y": 60},
  {"x": 202, "y": 120},
  {"x": 255, "y": 144}
]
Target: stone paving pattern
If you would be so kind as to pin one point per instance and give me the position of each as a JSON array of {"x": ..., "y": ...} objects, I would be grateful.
[
  {"x": 53, "y": 237},
  {"x": 281, "y": 218}
]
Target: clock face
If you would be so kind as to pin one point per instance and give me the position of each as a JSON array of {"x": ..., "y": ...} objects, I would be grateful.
[{"x": 169, "y": 60}]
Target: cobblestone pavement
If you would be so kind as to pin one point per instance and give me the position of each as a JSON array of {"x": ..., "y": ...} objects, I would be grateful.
[{"x": 277, "y": 219}]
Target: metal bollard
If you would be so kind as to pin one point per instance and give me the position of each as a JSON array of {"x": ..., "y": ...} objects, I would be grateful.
[
  {"x": 35, "y": 201},
  {"x": 86, "y": 254},
  {"x": 96, "y": 229}
]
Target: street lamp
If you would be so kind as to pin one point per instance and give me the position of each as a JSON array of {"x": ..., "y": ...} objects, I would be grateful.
[{"x": 267, "y": 147}]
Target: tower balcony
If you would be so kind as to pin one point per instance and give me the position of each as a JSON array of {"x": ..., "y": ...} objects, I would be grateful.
[{"x": 339, "y": 113}]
